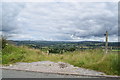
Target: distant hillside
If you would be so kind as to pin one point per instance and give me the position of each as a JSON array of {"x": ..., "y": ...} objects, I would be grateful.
[{"x": 81, "y": 43}]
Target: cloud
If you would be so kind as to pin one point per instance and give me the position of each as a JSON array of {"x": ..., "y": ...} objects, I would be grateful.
[
  {"x": 8, "y": 17},
  {"x": 61, "y": 20}
]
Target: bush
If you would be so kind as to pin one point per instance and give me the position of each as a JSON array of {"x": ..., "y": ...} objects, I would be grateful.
[{"x": 3, "y": 41}]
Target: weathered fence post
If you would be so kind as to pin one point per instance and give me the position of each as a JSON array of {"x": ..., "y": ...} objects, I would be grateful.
[{"x": 106, "y": 44}]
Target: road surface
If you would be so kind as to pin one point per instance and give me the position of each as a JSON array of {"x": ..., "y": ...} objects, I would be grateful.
[{"x": 24, "y": 74}]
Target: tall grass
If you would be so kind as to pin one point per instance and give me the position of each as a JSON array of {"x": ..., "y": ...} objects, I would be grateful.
[
  {"x": 91, "y": 59},
  {"x": 12, "y": 54}
]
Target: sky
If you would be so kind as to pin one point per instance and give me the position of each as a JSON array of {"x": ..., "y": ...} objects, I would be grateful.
[{"x": 59, "y": 21}]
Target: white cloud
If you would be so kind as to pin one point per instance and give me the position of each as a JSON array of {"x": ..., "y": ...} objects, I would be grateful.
[
  {"x": 60, "y": 0},
  {"x": 63, "y": 20}
]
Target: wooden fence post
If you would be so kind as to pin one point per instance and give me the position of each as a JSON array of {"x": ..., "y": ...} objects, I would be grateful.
[{"x": 106, "y": 43}]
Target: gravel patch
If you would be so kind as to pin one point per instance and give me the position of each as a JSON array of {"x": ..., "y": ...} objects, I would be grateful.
[{"x": 52, "y": 67}]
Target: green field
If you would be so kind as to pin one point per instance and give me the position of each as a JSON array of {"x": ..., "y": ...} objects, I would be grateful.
[
  {"x": 115, "y": 50},
  {"x": 92, "y": 59}
]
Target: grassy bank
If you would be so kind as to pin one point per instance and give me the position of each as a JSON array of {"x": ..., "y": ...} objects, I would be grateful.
[{"x": 91, "y": 59}]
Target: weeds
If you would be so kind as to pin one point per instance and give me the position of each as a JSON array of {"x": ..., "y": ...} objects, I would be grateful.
[{"x": 91, "y": 59}]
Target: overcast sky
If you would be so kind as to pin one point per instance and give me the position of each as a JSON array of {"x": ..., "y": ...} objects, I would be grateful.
[{"x": 60, "y": 21}]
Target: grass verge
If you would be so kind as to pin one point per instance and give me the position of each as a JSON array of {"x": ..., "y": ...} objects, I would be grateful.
[{"x": 91, "y": 59}]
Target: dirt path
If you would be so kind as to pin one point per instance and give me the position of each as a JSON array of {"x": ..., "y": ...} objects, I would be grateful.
[{"x": 51, "y": 67}]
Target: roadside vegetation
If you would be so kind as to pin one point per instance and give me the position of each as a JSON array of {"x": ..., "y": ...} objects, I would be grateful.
[{"x": 94, "y": 59}]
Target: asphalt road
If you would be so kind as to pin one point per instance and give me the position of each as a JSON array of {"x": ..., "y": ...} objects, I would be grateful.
[{"x": 24, "y": 74}]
